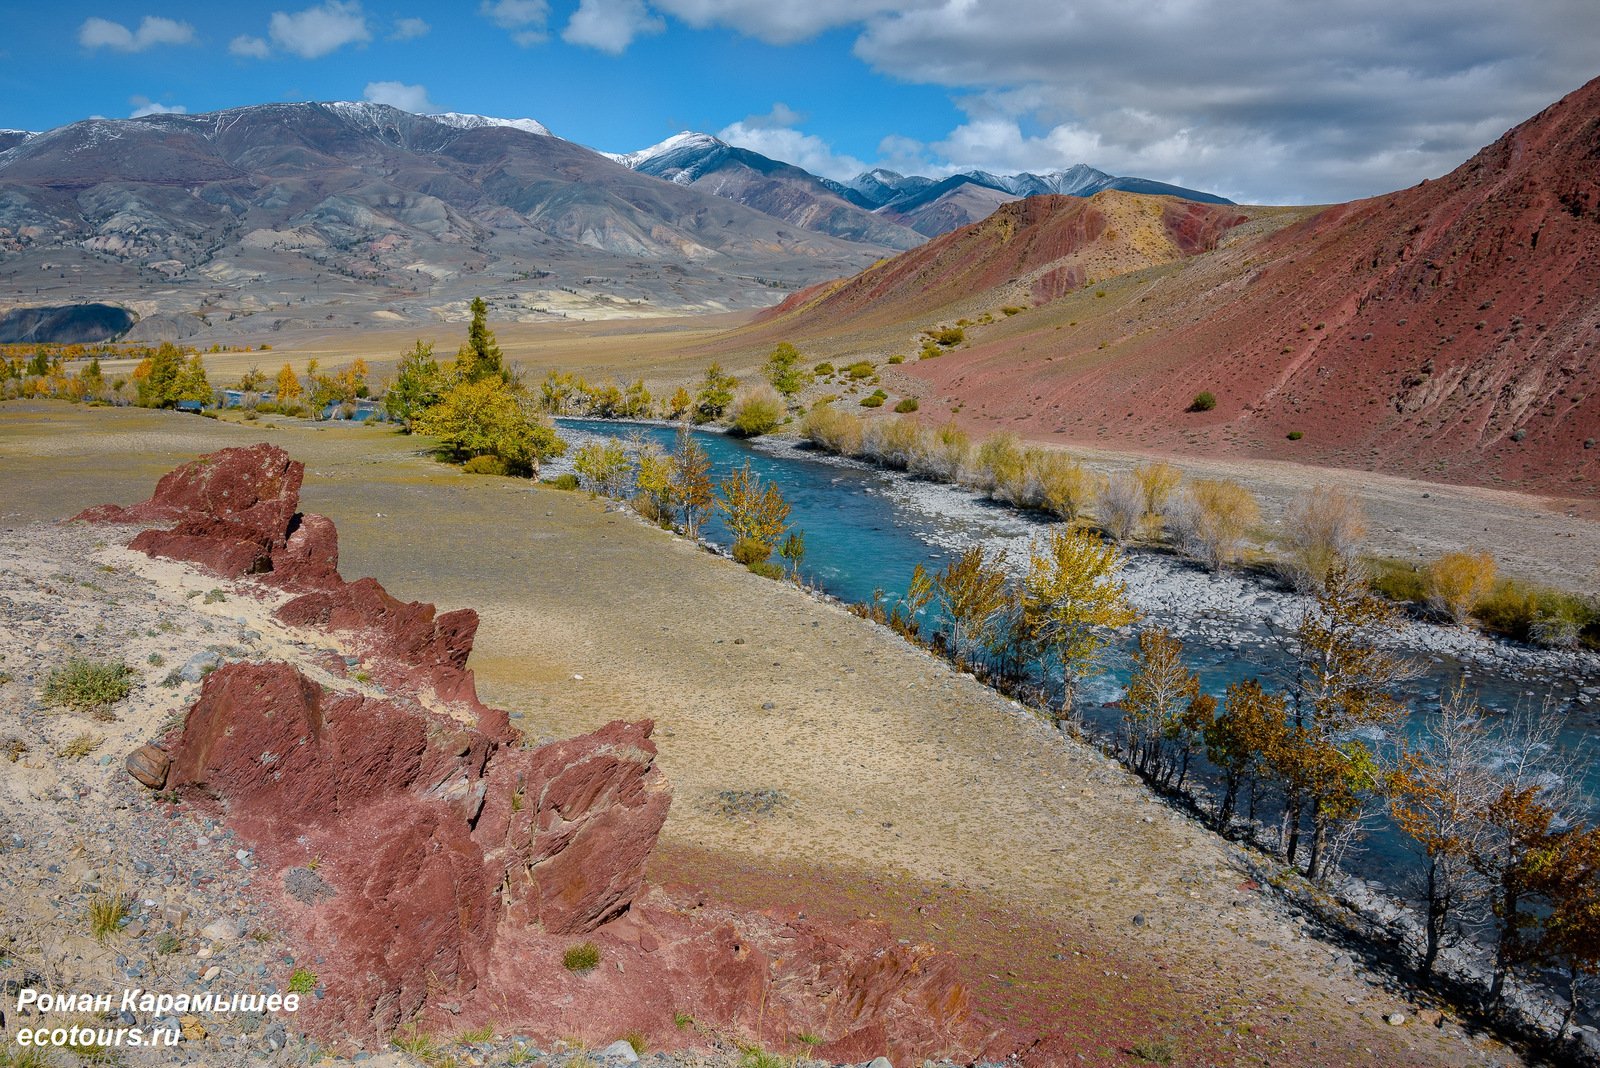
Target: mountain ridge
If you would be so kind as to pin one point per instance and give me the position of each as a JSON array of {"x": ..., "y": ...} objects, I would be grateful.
[
  {"x": 363, "y": 209},
  {"x": 1449, "y": 331},
  {"x": 927, "y": 206}
]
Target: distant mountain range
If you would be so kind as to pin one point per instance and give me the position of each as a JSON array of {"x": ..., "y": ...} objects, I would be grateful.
[
  {"x": 305, "y": 216},
  {"x": 928, "y": 207}
]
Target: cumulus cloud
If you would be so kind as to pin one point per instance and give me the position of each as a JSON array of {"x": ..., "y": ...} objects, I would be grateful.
[
  {"x": 143, "y": 105},
  {"x": 781, "y": 23},
  {"x": 250, "y": 47},
  {"x": 611, "y": 25},
  {"x": 781, "y": 141},
  {"x": 526, "y": 19},
  {"x": 781, "y": 115},
  {"x": 317, "y": 31},
  {"x": 412, "y": 98},
  {"x": 153, "y": 30},
  {"x": 409, "y": 29},
  {"x": 1243, "y": 97}
]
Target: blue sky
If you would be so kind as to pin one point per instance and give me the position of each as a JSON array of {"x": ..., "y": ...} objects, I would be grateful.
[{"x": 1241, "y": 97}]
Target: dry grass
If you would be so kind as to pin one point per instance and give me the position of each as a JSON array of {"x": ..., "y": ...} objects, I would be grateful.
[{"x": 80, "y": 746}]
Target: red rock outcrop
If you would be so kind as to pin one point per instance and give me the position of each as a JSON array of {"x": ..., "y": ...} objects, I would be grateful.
[
  {"x": 441, "y": 870},
  {"x": 236, "y": 514}
]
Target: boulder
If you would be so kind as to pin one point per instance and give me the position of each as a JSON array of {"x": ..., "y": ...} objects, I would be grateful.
[
  {"x": 148, "y": 764},
  {"x": 256, "y": 486}
]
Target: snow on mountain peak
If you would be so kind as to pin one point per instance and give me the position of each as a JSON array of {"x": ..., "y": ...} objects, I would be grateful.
[
  {"x": 370, "y": 113},
  {"x": 476, "y": 122},
  {"x": 688, "y": 141}
]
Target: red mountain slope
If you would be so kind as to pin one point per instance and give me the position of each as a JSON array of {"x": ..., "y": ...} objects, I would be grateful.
[
  {"x": 1449, "y": 331},
  {"x": 1038, "y": 249}
]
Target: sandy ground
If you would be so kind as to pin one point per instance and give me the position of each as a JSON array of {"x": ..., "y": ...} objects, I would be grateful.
[{"x": 893, "y": 770}]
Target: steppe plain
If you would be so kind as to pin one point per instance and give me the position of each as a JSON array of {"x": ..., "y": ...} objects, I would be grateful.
[{"x": 1076, "y": 902}]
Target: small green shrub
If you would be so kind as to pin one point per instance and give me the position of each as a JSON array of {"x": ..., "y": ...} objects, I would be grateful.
[
  {"x": 583, "y": 957},
  {"x": 302, "y": 981},
  {"x": 756, "y": 1057},
  {"x": 168, "y": 943},
  {"x": 1011, "y": 309},
  {"x": 156, "y": 660},
  {"x": 823, "y": 369},
  {"x": 766, "y": 569},
  {"x": 681, "y": 1020},
  {"x": 478, "y": 1034},
  {"x": 1509, "y": 609},
  {"x": 106, "y": 912},
  {"x": 930, "y": 351},
  {"x": 750, "y": 551},
  {"x": 636, "y": 1039},
  {"x": 1153, "y": 1051},
  {"x": 874, "y": 400},
  {"x": 909, "y": 404},
  {"x": 859, "y": 370},
  {"x": 1397, "y": 580},
  {"x": 485, "y": 465},
  {"x": 565, "y": 481},
  {"x": 1295, "y": 435},
  {"x": 215, "y": 597},
  {"x": 947, "y": 336},
  {"x": 757, "y": 412},
  {"x": 416, "y": 1042},
  {"x": 897, "y": 358},
  {"x": 1203, "y": 402},
  {"x": 88, "y": 685}
]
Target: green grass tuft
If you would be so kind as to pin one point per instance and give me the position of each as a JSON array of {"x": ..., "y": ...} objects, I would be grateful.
[
  {"x": 88, "y": 685},
  {"x": 1153, "y": 1051},
  {"x": 580, "y": 958},
  {"x": 106, "y": 912}
]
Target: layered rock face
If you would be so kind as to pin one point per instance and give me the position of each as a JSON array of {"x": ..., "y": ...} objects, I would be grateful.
[{"x": 439, "y": 869}]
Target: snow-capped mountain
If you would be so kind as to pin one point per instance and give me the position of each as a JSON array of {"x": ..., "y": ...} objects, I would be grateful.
[
  {"x": 779, "y": 189},
  {"x": 477, "y": 122},
  {"x": 926, "y": 205}
]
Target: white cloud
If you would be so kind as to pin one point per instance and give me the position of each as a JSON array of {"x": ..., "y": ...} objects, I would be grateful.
[
  {"x": 781, "y": 21},
  {"x": 780, "y": 115},
  {"x": 611, "y": 25},
  {"x": 317, "y": 31},
  {"x": 527, "y": 19},
  {"x": 250, "y": 47},
  {"x": 791, "y": 146},
  {"x": 153, "y": 30},
  {"x": 1247, "y": 98},
  {"x": 409, "y": 29},
  {"x": 143, "y": 105},
  {"x": 412, "y": 98}
]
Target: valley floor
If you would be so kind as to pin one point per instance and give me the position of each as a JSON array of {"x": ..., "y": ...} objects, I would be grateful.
[{"x": 815, "y": 758}]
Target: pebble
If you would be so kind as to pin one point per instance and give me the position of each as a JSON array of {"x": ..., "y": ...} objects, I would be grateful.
[
  {"x": 223, "y": 930},
  {"x": 620, "y": 1050}
]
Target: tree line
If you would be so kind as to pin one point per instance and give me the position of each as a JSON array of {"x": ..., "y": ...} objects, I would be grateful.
[{"x": 1489, "y": 805}]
